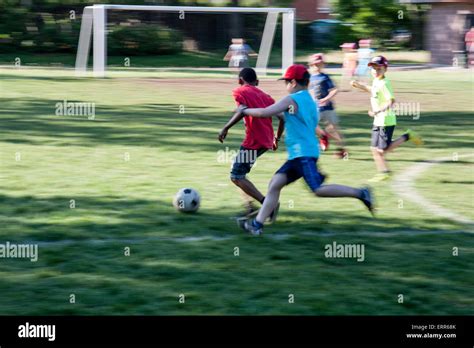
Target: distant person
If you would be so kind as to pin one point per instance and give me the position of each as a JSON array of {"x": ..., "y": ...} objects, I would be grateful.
[
  {"x": 349, "y": 63},
  {"x": 469, "y": 38},
  {"x": 323, "y": 91},
  {"x": 364, "y": 55},
  {"x": 385, "y": 120},
  {"x": 238, "y": 54}
]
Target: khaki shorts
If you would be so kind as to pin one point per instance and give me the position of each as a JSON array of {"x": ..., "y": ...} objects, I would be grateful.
[{"x": 328, "y": 116}]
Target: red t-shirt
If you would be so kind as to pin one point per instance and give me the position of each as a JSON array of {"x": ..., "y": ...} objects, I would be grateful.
[
  {"x": 258, "y": 131},
  {"x": 469, "y": 38}
]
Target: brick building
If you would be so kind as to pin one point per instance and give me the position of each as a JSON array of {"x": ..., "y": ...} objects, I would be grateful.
[
  {"x": 447, "y": 23},
  {"x": 310, "y": 10}
]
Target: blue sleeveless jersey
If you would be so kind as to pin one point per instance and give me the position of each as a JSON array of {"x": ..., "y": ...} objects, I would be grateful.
[{"x": 300, "y": 127}]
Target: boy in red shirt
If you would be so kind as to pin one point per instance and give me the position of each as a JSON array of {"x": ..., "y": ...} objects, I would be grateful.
[{"x": 259, "y": 136}]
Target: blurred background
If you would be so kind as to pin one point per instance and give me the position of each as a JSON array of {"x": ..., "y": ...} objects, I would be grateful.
[{"x": 46, "y": 32}]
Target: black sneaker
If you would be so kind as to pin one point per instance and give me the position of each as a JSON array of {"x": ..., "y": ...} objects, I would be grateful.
[{"x": 367, "y": 199}]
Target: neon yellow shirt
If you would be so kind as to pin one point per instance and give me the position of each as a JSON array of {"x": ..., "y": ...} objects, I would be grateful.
[{"x": 382, "y": 93}]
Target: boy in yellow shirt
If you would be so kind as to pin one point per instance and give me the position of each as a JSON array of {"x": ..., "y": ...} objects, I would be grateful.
[{"x": 385, "y": 120}]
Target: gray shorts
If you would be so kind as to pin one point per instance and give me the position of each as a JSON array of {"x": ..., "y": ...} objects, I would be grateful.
[
  {"x": 382, "y": 137},
  {"x": 328, "y": 116}
]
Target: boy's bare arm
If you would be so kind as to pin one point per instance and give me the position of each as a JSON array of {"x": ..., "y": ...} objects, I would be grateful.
[
  {"x": 319, "y": 131},
  {"x": 281, "y": 125},
  {"x": 361, "y": 86},
  {"x": 281, "y": 129},
  {"x": 331, "y": 94},
  {"x": 382, "y": 109},
  {"x": 252, "y": 53},
  {"x": 270, "y": 111},
  {"x": 227, "y": 55},
  {"x": 233, "y": 120}
]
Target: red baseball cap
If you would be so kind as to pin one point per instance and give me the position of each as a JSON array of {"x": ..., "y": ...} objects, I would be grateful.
[
  {"x": 295, "y": 72},
  {"x": 316, "y": 59},
  {"x": 379, "y": 60}
]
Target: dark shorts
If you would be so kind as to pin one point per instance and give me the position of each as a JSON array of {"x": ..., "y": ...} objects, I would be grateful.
[
  {"x": 238, "y": 63},
  {"x": 382, "y": 137},
  {"x": 305, "y": 167},
  {"x": 244, "y": 161}
]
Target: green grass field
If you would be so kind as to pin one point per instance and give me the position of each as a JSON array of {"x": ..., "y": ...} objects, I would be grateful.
[
  {"x": 196, "y": 59},
  {"x": 151, "y": 137}
]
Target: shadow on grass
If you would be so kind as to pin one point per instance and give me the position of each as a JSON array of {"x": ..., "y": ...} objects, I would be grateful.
[
  {"x": 52, "y": 219},
  {"x": 151, "y": 125},
  {"x": 102, "y": 217},
  {"x": 105, "y": 281},
  {"x": 33, "y": 121},
  {"x": 457, "y": 182}
]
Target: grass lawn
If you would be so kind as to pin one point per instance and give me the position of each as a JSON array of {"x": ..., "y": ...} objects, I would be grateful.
[
  {"x": 152, "y": 136},
  {"x": 211, "y": 59}
]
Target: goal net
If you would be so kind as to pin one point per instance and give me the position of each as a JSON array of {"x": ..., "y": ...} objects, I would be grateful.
[{"x": 171, "y": 36}]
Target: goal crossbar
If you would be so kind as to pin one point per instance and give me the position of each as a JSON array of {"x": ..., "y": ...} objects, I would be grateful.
[{"x": 94, "y": 23}]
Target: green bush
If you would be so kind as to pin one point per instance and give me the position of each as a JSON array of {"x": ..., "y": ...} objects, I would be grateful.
[
  {"x": 144, "y": 39},
  {"x": 25, "y": 31},
  {"x": 344, "y": 33},
  {"x": 12, "y": 27},
  {"x": 303, "y": 33}
]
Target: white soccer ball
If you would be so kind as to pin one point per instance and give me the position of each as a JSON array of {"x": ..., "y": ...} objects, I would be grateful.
[{"x": 187, "y": 200}]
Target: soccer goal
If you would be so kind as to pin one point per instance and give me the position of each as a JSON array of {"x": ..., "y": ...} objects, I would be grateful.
[{"x": 94, "y": 24}]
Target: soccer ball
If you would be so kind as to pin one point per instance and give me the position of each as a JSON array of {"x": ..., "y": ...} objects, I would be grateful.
[{"x": 187, "y": 200}]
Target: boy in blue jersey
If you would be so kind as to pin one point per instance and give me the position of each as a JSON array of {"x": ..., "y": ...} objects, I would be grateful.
[
  {"x": 323, "y": 91},
  {"x": 301, "y": 119}
]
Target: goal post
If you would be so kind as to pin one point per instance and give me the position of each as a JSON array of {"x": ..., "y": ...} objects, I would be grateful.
[{"x": 94, "y": 24}]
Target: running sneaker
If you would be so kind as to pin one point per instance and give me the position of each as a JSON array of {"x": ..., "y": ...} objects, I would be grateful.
[
  {"x": 249, "y": 226},
  {"x": 379, "y": 177},
  {"x": 367, "y": 199},
  {"x": 414, "y": 137},
  {"x": 342, "y": 153},
  {"x": 324, "y": 142}
]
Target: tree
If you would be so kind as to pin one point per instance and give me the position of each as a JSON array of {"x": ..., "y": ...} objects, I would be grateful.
[
  {"x": 373, "y": 18},
  {"x": 235, "y": 21}
]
